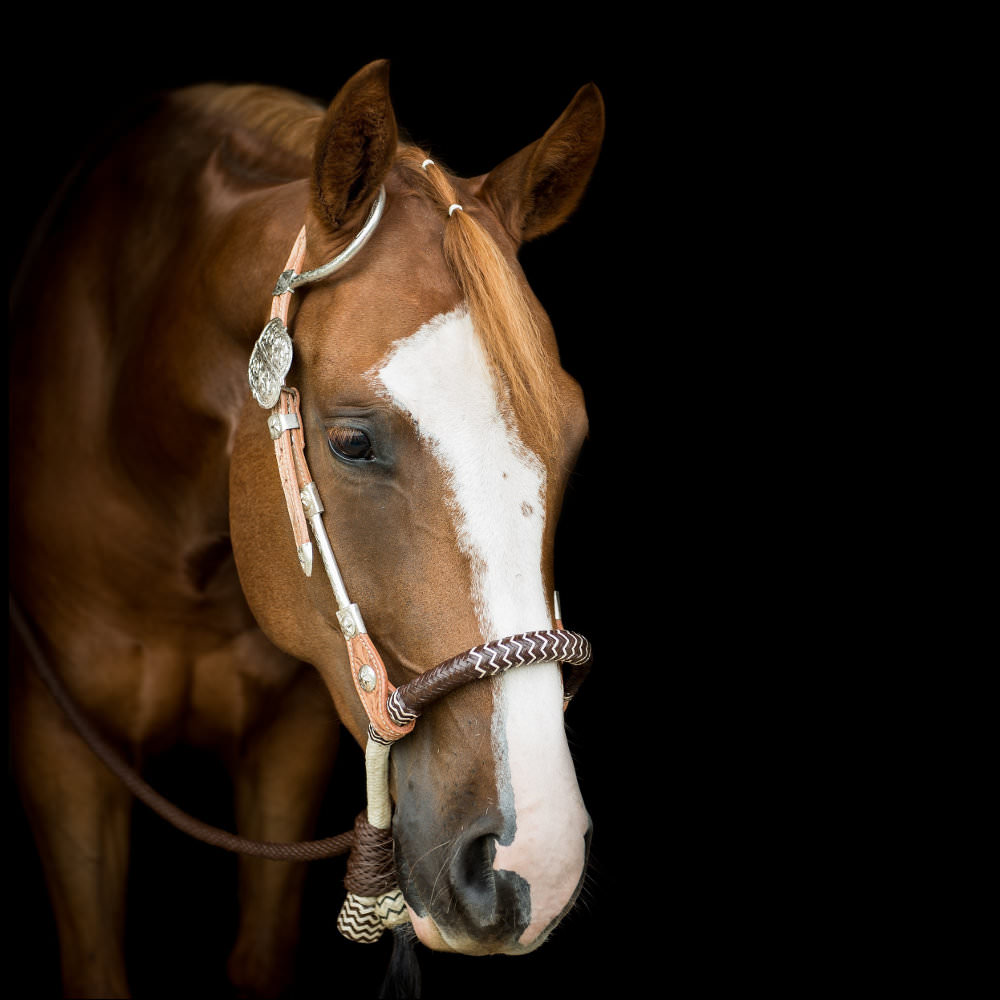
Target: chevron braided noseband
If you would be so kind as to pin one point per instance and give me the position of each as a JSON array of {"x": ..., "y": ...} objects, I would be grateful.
[
  {"x": 406, "y": 703},
  {"x": 374, "y": 901}
]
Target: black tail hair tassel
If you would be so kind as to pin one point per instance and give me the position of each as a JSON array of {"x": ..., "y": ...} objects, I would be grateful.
[{"x": 402, "y": 978}]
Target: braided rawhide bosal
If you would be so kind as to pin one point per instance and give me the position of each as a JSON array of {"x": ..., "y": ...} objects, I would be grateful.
[{"x": 372, "y": 904}]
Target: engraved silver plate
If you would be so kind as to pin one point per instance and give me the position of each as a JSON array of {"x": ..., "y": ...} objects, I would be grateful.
[{"x": 269, "y": 363}]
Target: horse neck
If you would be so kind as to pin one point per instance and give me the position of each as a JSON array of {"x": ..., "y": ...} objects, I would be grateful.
[
  {"x": 218, "y": 296},
  {"x": 187, "y": 324},
  {"x": 242, "y": 253},
  {"x": 141, "y": 308}
]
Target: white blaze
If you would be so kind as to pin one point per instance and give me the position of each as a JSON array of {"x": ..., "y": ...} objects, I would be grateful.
[{"x": 439, "y": 375}]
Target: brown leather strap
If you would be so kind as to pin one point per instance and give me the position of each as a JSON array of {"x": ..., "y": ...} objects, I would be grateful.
[
  {"x": 289, "y": 447},
  {"x": 373, "y": 687},
  {"x": 289, "y": 441}
]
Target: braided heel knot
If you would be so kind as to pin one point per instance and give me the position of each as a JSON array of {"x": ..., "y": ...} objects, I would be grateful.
[{"x": 374, "y": 901}]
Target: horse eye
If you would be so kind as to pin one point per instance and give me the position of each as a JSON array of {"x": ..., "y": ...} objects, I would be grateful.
[{"x": 351, "y": 443}]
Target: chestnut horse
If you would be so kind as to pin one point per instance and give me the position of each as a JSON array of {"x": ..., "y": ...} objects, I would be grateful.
[{"x": 150, "y": 530}]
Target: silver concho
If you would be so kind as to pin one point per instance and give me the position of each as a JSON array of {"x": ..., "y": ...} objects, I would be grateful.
[{"x": 269, "y": 363}]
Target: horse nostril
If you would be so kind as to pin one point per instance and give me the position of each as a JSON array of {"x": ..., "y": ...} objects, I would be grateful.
[
  {"x": 495, "y": 902},
  {"x": 472, "y": 874}
]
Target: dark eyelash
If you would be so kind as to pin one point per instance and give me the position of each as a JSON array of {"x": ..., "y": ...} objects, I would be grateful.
[{"x": 351, "y": 443}]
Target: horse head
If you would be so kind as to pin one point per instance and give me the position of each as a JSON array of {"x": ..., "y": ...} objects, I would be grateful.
[{"x": 440, "y": 430}]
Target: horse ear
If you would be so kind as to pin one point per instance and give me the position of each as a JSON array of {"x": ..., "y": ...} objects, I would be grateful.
[
  {"x": 355, "y": 145},
  {"x": 535, "y": 190}
]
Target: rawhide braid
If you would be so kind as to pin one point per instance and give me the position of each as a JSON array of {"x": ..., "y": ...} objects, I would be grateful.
[
  {"x": 373, "y": 901},
  {"x": 546, "y": 645}
]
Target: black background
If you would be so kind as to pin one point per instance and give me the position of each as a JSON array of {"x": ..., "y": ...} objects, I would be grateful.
[{"x": 472, "y": 93}]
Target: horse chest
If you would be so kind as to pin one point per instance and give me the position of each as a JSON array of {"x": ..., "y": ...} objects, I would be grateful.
[
  {"x": 155, "y": 694},
  {"x": 234, "y": 687}
]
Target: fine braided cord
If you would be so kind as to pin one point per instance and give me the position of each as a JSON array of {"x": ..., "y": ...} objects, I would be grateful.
[{"x": 309, "y": 850}]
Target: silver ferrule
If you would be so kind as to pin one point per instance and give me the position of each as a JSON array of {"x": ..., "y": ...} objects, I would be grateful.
[
  {"x": 556, "y": 606},
  {"x": 351, "y": 622},
  {"x": 311, "y": 502}
]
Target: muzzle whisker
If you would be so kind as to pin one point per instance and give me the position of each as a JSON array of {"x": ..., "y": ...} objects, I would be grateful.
[{"x": 446, "y": 864}]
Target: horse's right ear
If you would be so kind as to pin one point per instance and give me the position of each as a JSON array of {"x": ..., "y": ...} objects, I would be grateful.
[
  {"x": 535, "y": 190},
  {"x": 355, "y": 146}
]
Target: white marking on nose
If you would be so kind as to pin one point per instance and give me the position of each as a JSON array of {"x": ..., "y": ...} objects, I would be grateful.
[{"x": 440, "y": 376}]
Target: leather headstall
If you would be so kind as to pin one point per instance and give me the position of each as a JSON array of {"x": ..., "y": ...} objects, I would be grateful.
[{"x": 391, "y": 713}]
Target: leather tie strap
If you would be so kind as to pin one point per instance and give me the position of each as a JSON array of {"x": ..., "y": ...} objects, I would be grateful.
[
  {"x": 285, "y": 424},
  {"x": 371, "y": 681}
]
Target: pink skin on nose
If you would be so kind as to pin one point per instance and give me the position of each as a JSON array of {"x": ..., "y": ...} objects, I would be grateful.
[{"x": 548, "y": 849}]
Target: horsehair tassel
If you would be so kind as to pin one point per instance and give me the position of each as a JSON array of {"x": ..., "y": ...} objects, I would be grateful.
[{"x": 402, "y": 978}]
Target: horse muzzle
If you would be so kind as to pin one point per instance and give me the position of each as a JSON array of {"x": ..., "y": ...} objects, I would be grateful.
[{"x": 477, "y": 909}]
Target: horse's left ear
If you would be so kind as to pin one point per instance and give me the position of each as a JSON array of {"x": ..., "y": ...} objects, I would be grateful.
[
  {"x": 534, "y": 191},
  {"x": 355, "y": 145}
]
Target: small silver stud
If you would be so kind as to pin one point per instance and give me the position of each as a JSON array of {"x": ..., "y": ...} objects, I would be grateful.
[{"x": 366, "y": 677}]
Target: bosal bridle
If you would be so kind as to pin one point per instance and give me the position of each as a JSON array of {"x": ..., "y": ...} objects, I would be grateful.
[{"x": 373, "y": 902}]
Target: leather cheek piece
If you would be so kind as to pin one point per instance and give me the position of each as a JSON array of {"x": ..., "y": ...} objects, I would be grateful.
[
  {"x": 362, "y": 653},
  {"x": 289, "y": 449}
]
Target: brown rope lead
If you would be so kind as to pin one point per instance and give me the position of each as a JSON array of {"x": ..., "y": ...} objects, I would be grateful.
[{"x": 307, "y": 850}]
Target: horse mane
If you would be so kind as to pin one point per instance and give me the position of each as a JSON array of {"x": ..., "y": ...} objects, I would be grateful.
[
  {"x": 504, "y": 315},
  {"x": 269, "y": 133},
  {"x": 271, "y": 137}
]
